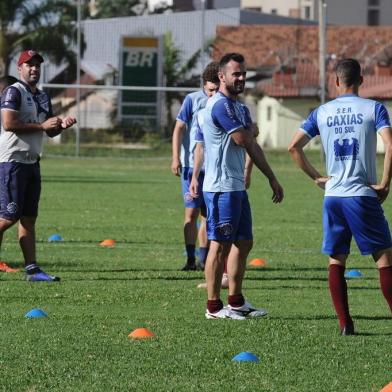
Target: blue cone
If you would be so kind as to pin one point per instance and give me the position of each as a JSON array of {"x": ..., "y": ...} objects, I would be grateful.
[
  {"x": 354, "y": 273},
  {"x": 55, "y": 237},
  {"x": 34, "y": 313},
  {"x": 246, "y": 357}
]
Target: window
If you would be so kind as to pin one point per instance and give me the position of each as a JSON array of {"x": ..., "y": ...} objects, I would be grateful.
[
  {"x": 269, "y": 113},
  {"x": 274, "y": 11},
  {"x": 307, "y": 12},
  {"x": 373, "y": 17},
  {"x": 373, "y": 3}
]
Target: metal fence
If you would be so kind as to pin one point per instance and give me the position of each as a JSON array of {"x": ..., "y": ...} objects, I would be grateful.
[{"x": 109, "y": 124}]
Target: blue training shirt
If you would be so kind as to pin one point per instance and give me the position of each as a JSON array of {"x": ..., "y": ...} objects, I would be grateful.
[
  {"x": 348, "y": 128},
  {"x": 193, "y": 102},
  {"x": 224, "y": 160}
]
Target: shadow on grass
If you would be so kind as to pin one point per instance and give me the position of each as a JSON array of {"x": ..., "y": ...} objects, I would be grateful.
[{"x": 100, "y": 180}]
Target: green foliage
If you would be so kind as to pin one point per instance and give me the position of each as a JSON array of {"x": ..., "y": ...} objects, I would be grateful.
[
  {"x": 177, "y": 74},
  {"x": 106, "y": 293},
  {"x": 118, "y": 8},
  {"x": 47, "y": 26}
]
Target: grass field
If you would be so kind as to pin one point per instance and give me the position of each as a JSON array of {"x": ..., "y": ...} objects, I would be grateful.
[{"x": 104, "y": 294}]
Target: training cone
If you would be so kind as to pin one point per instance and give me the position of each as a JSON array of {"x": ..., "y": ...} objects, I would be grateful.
[
  {"x": 354, "y": 273},
  {"x": 141, "y": 333},
  {"x": 258, "y": 263},
  {"x": 55, "y": 237},
  {"x": 108, "y": 243},
  {"x": 387, "y": 388},
  {"x": 35, "y": 313},
  {"x": 246, "y": 357}
]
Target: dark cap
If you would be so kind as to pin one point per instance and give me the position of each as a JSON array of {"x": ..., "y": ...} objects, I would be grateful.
[{"x": 27, "y": 55}]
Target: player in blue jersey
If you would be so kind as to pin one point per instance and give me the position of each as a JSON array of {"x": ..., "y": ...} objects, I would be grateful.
[
  {"x": 227, "y": 139},
  {"x": 195, "y": 187},
  {"x": 348, "y": 128},
  {"x": 183, "y": 146},
  {"x": 26, "y": 114}
]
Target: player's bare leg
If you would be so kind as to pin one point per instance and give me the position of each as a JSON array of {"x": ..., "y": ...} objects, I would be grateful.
[
  {"x": 236, "y": 265},
  {"x": 383, "y": 259},
  {"x": 26, "y": 233},
  {"x": 214, "y": 267},
  {"x": 338, "y": 290},
  {"x": 190, "y": 236},
  {"x": 5, "y": 225}
]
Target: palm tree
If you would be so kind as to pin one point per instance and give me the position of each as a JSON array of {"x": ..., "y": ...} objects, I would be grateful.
[
  {"x": 47, "y": 26},
  {"x": 177, "y": 74}
]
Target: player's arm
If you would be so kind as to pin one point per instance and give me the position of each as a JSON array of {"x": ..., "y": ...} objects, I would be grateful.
[
  {"x": 198, "y": 159},
  {"x": 382, "y": 188},
  {"x": 178, "y": 133},
  {"x": 244, "y": 138},
  {"x": 12, "y": 123},
  {"x": 296, "y": 150},
  {"x": 248, "y": 171}
]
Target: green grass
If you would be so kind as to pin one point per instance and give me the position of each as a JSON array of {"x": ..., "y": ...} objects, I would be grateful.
[{"x": 106, "y": 293}]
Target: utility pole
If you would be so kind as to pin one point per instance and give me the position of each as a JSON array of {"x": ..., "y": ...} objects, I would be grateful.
[
  {"x": 78, "y": 60},
  {"x": 202, "y": 35},
  {"x": 322, "y": 8}
]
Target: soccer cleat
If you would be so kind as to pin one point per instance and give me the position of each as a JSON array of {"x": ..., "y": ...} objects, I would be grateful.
[
  {"x": 4, "y": 267},
  {"x": 247, "y": 310},
  {"x": 41, "y": 277},
  {"x": 224, "y": 313},
  {"x": 347, "y": 330},
  {"x": 189, "y": 267}
]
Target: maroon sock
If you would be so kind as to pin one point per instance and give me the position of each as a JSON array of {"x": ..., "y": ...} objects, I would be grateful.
[
  {"x": 236, "y": 300},
  {"x": 214, "y": 305},
  {"x": 386, "y": 284},
  {"x": 338, "y": 290}
]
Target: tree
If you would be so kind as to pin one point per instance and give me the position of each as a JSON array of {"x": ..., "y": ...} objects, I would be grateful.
[
  {"x": 118, "y": 8},
  {"x": 177, "y": 74},
  {"x": 47, "y": 26}
]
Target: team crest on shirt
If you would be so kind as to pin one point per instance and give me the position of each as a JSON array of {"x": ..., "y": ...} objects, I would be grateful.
[
  {"x": 12, "y": 208},
  {"x": 225, "y": 229},
  {"x": 346, "y": 151}
]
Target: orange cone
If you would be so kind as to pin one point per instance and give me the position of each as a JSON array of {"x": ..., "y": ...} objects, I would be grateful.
[
  {"x": 108, "y": 243},
  {"x": 141, "y": 333},
  {"x": 387, "y": 388},
  {"x": 258, "y": 263}
]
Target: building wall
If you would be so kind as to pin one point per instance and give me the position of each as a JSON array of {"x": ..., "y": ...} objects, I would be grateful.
[
  {"x": 355, "y": 12},
  {"x": 293, "y": 8},
  {"x": 278, "y": 120}
]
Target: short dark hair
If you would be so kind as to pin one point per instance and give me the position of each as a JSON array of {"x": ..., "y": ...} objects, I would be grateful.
[
  {"x": 210, "y": 73},
  {"x": 7, "y": 80},
  {"x": 349, "y": 72},
  {"x": 237, "y": 57}
]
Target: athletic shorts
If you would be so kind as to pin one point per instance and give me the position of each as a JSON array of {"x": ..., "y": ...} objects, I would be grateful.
[
  {"x": 20, "y": 189},
  {"x": 361, "y": 217},
  {"x": 229, "y": 216},
  {"x": 186, "y": 178}
]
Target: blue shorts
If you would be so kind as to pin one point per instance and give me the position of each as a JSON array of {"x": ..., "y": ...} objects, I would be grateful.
[
  {"x": 20, "y": 189},
  {"x": 361, "y": 217},
  {"x": 228, "y": 216},
  {"x": 186, "y": 178}
]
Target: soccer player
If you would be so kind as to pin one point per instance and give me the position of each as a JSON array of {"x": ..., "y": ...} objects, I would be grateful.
[
  {"x": 26, "y": 114},
  {"x": 227, "y": 139},
  {"x": 195, "y": 188},
  {"x": 348, "y": 127},
  {"x": 6, "y": 81},
  {"x": 183, "y": 146}
]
